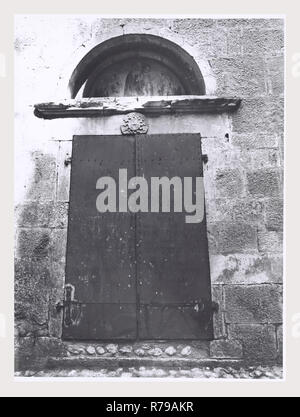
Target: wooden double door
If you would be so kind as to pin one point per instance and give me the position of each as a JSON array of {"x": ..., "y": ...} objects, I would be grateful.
[{"x": 135, "y": 276}]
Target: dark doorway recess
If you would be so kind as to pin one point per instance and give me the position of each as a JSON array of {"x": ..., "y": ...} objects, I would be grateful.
[{"x": 142, "y": 276}]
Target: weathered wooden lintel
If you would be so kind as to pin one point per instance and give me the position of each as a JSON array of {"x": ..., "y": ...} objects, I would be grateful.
[{"x": 99, "y": 107}]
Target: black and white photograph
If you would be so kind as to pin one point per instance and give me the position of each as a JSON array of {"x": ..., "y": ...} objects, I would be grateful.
[{"x": 149, "y": 197}]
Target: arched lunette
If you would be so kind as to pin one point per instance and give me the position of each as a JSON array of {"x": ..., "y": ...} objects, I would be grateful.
[{"x": 125, "y": 47}]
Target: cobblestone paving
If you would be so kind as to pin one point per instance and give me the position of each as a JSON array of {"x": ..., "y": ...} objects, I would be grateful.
[{"x": 259, "y": 373}]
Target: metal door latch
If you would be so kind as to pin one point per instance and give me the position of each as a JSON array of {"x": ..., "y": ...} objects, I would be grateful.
[{"x": 70, "y": 307}]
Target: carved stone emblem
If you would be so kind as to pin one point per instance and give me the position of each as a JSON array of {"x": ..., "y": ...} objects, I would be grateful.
[{"x": 134, "y": 124}]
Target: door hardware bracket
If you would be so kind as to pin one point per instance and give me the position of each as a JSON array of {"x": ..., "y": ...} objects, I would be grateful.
[
  {"x": 215, "y": 307},
  {"x": 70, "y": 307},
  {"x": 68, "y": 161},
  {"x": 205, "y": 158}
]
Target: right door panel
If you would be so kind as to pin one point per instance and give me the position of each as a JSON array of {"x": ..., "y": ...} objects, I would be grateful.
[{"x": 173, "y": 277}]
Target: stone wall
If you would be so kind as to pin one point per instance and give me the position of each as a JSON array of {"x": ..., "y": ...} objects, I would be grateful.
[{"x": 243, "y": 176}]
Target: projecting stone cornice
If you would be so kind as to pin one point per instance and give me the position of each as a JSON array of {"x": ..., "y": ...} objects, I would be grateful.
[{"x": 99, "y": 107}]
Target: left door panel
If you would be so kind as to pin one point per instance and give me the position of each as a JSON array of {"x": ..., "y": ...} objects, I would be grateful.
[{"x": 100, "y": 265}]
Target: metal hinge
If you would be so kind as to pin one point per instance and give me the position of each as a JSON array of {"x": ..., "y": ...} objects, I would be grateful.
[
  {"x": 203, "y": 306},
  {"x": 68, "y": 161}
]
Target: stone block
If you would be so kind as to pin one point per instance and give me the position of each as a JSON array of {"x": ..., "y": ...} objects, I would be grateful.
[
  {"x": 246, "y": 269},
  {"x": 210, "y": 43},
  {"x": 188, "y": 25},
  {"x": 25, "y": 328},
  {"x": 259, "y": 342},
  {"x": 43, "y": 184},
  {"x": 33, "y": 243},
  {"x": 261, "y": 158},
  {"x": 234, "y": 37},
  {"x": 32, "y": 293},
  {"x": 261, "y": 115},
  {"x": 229, "y": 183},
  {"x": 209, "y": 40},
  {"x": 234, "y": 237},
  {"x": 221, "y": 159},
  {"x": 59, "y": 218},
  {"x": 43, "y": 214},
  {"x": 33, "y": 353},
  {"x": 238, "y": 210},
  {"x": 57, "y": 276},
  {"x": 255, "y": 141},
  {"x": 242, "y": 76},
  {"x": 264, "y": 183},
  {"x": 226, "y": 349},
  {"x": 255, "y": 304},
  {"x": 263, "y": 41},
  {"x": 270, "y": 241},
  {"x": 274, "y": 214},
  {"x": 252, "y": 23},
  {"x": 245, "y": 159},
  {"x": 58, "y": 245},
  {"x": 34, "y": 214},
  {"x": 275, "y": 75}
]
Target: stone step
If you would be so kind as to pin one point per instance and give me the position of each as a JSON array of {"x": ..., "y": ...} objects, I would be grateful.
[
  {"x": 237, "y": 373},
  {"x": 112, "y": 363}
]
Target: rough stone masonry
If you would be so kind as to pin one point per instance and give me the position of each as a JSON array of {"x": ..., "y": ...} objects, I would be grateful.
[{"x": 243, "y": 182}]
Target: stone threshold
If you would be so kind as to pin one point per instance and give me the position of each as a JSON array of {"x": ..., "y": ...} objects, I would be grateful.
[
  {"x": 113, "y": 363},
  {"x": 99, "y": 107}
]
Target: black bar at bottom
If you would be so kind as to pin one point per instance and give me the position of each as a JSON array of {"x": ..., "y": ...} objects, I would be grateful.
[{"x": 146, "y": 406}]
